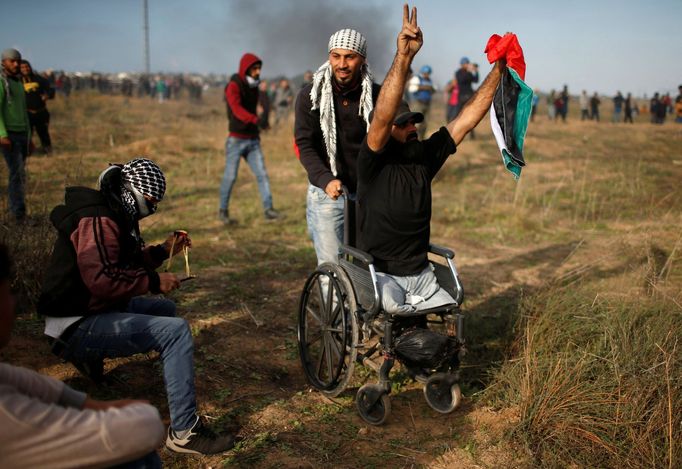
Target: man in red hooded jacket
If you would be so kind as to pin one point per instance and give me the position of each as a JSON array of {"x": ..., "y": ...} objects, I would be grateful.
[{"x": 243, "y": 141}]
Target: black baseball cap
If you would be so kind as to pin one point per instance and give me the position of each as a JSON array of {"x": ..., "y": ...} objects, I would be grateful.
[{"x": 403, "y": 115}]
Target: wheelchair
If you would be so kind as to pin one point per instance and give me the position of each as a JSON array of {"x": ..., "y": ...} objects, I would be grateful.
[{"x": 341, "y": 323}]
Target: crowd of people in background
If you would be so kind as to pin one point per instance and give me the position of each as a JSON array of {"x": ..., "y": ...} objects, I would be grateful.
[{"x": 625, "y": 108}]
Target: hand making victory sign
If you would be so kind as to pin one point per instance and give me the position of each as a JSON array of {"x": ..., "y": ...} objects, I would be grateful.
[{"x": 410, "y": 38}]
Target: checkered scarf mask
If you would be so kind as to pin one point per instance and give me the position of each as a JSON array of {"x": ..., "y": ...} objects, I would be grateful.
[{"x": 141, "y": 177}]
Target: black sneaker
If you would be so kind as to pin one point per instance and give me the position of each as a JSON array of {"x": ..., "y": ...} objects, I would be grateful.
[
  {"x": 224, "y": 216},
  {"x": 200, "y": 440},
  {"x": 93, "y": 370},
  {"x": 272, "y": 214}
]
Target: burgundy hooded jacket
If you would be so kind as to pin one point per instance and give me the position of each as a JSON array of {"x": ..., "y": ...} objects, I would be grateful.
[{"x": 242, "y": 101}]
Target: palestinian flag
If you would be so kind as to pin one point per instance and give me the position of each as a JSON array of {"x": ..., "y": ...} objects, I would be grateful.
[{"x": 512, "y": 103}]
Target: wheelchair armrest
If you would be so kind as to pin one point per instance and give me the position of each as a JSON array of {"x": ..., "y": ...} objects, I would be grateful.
[
  {"x": 357, "y": 254},
  {"x": 441, "y": 251}
]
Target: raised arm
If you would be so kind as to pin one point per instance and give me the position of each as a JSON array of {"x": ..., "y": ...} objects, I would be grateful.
[
  {"x": 477, "y": 106},
  {"x": 410, "y": 41}
]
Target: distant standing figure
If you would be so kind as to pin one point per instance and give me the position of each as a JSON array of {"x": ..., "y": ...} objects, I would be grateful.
[
  {"x": 15, "y": 130},
  {"x": 65, "y": 84},
  {"x": 678, "y": 106},
  {"x": 466, "y": 76},
  {"x": 565, "y": 97},
  {"x": 535, "y": 103},
  {"x": 584, "y": 106},
  {"x": 657, "y": 110},
  {"x": 628, "y": 108},
  {"x": 307, "y": 78},
  {"x": 594, "y": 107},
  {"x": 161, "y": 89},
  {"x": 559, "y": 107},
  {"x": 241, "y": 94},
  {"x": 451, "y": 99},
  {"x": 421, "y": 97},
  {"x": 264, "y": 106},
  {"x": 37, "y": 90},
  {"x": 551, "y": 110},
  {"x": 667, "y": 103},
  {"x": 618, "y": 101},
  {"x": 284, "y": 97}
]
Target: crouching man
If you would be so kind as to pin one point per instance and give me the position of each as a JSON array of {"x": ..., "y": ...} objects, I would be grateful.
[
  {"x": 395, "y": 170},
  {"x": 92, "y": 293}
]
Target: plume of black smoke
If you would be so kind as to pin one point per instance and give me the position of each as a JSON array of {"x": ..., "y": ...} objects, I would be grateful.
[{"x": 292, "y": 36}]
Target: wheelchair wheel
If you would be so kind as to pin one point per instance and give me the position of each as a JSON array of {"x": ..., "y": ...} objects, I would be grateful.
[
  {"x": 373, "y": 403},
  {"x": 327, "y": 329},
  {"x": 442, "y": 393}
]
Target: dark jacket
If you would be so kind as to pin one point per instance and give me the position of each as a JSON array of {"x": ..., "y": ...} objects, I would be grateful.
[
  {"x": 242, "y": 101},
  {"x": 99, "y": 261},
  {"x": 350, "y": 131},
  {"x": 35, "y": 88},
  {"x": 465, "y": 79}
]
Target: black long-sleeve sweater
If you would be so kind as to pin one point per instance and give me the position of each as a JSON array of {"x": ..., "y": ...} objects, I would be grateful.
[{"x": 350, "y": 131}]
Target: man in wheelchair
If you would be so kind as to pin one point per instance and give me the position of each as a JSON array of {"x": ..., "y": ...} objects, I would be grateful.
[
  {"x": 385, "y": 282},
  {"x": 395, "y": 170}
]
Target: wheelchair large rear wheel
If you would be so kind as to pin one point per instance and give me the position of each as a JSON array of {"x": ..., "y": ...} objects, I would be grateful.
[{"x": 327, "y": 329}]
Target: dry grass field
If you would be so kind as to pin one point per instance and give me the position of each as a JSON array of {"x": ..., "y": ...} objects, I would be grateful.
[{"x": 573, "y": 281}]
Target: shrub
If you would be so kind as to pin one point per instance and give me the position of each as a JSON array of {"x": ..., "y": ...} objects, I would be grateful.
[
  {"x": 30, "y": 245},
  {"x": 598, "y": 383}
]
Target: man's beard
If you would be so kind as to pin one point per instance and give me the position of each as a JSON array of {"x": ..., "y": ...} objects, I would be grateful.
[
  {"x": 411, "y": 151},
  {"x": 346, "y": 81}
]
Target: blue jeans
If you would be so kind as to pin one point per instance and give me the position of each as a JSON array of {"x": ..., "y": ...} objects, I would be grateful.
[
  {"x": 325, "y": 224},
  {"x": 15, "y": 158},
  {"x": 235, "y": 149},
  {"x": 146, "y": 324}
]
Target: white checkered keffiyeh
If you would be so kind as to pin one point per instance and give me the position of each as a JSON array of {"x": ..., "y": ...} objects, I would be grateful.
[
  {"x": 145, "y": 176},
  {"x": 348, "y": 39},
  {"x": 321, "y": 94}
]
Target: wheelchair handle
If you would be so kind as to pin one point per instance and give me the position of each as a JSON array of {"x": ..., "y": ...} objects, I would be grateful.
[
  {"x": 357, "y": 254},
  {"x": 441, "y": 251}
]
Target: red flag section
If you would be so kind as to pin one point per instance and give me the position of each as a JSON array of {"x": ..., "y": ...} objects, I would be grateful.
[{"x": 507, "y": 47}]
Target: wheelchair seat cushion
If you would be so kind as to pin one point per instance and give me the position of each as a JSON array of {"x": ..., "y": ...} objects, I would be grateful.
[{"x": 411, "y": 294}]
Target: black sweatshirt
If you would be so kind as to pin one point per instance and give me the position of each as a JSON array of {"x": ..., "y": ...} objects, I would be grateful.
[{"x": 351, "y": 129}]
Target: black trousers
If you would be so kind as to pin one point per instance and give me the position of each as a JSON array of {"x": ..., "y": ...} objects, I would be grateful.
[{"x": 40, "y": 121}]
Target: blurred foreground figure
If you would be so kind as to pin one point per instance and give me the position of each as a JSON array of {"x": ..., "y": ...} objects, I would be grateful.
[
  {"x": 37, "y": 91},
  {"x": 92, "y": 292},
  {"x": 241, "y": 95},
  {"x": 45, "y": 423},
  {"x": 332, "y": 118},
  {"x": 14, "y": 130}
]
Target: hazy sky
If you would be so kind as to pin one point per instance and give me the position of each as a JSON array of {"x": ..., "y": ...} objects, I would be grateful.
[{"x": 598, "y": 45}]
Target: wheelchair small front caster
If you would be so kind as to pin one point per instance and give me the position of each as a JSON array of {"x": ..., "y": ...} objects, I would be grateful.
[
  {"x": 373, "y": 403},
  {"x": 442, "y": 392}
]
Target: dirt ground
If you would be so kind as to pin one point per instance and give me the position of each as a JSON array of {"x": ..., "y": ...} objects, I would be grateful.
[{"x": 242, "y": 305}]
